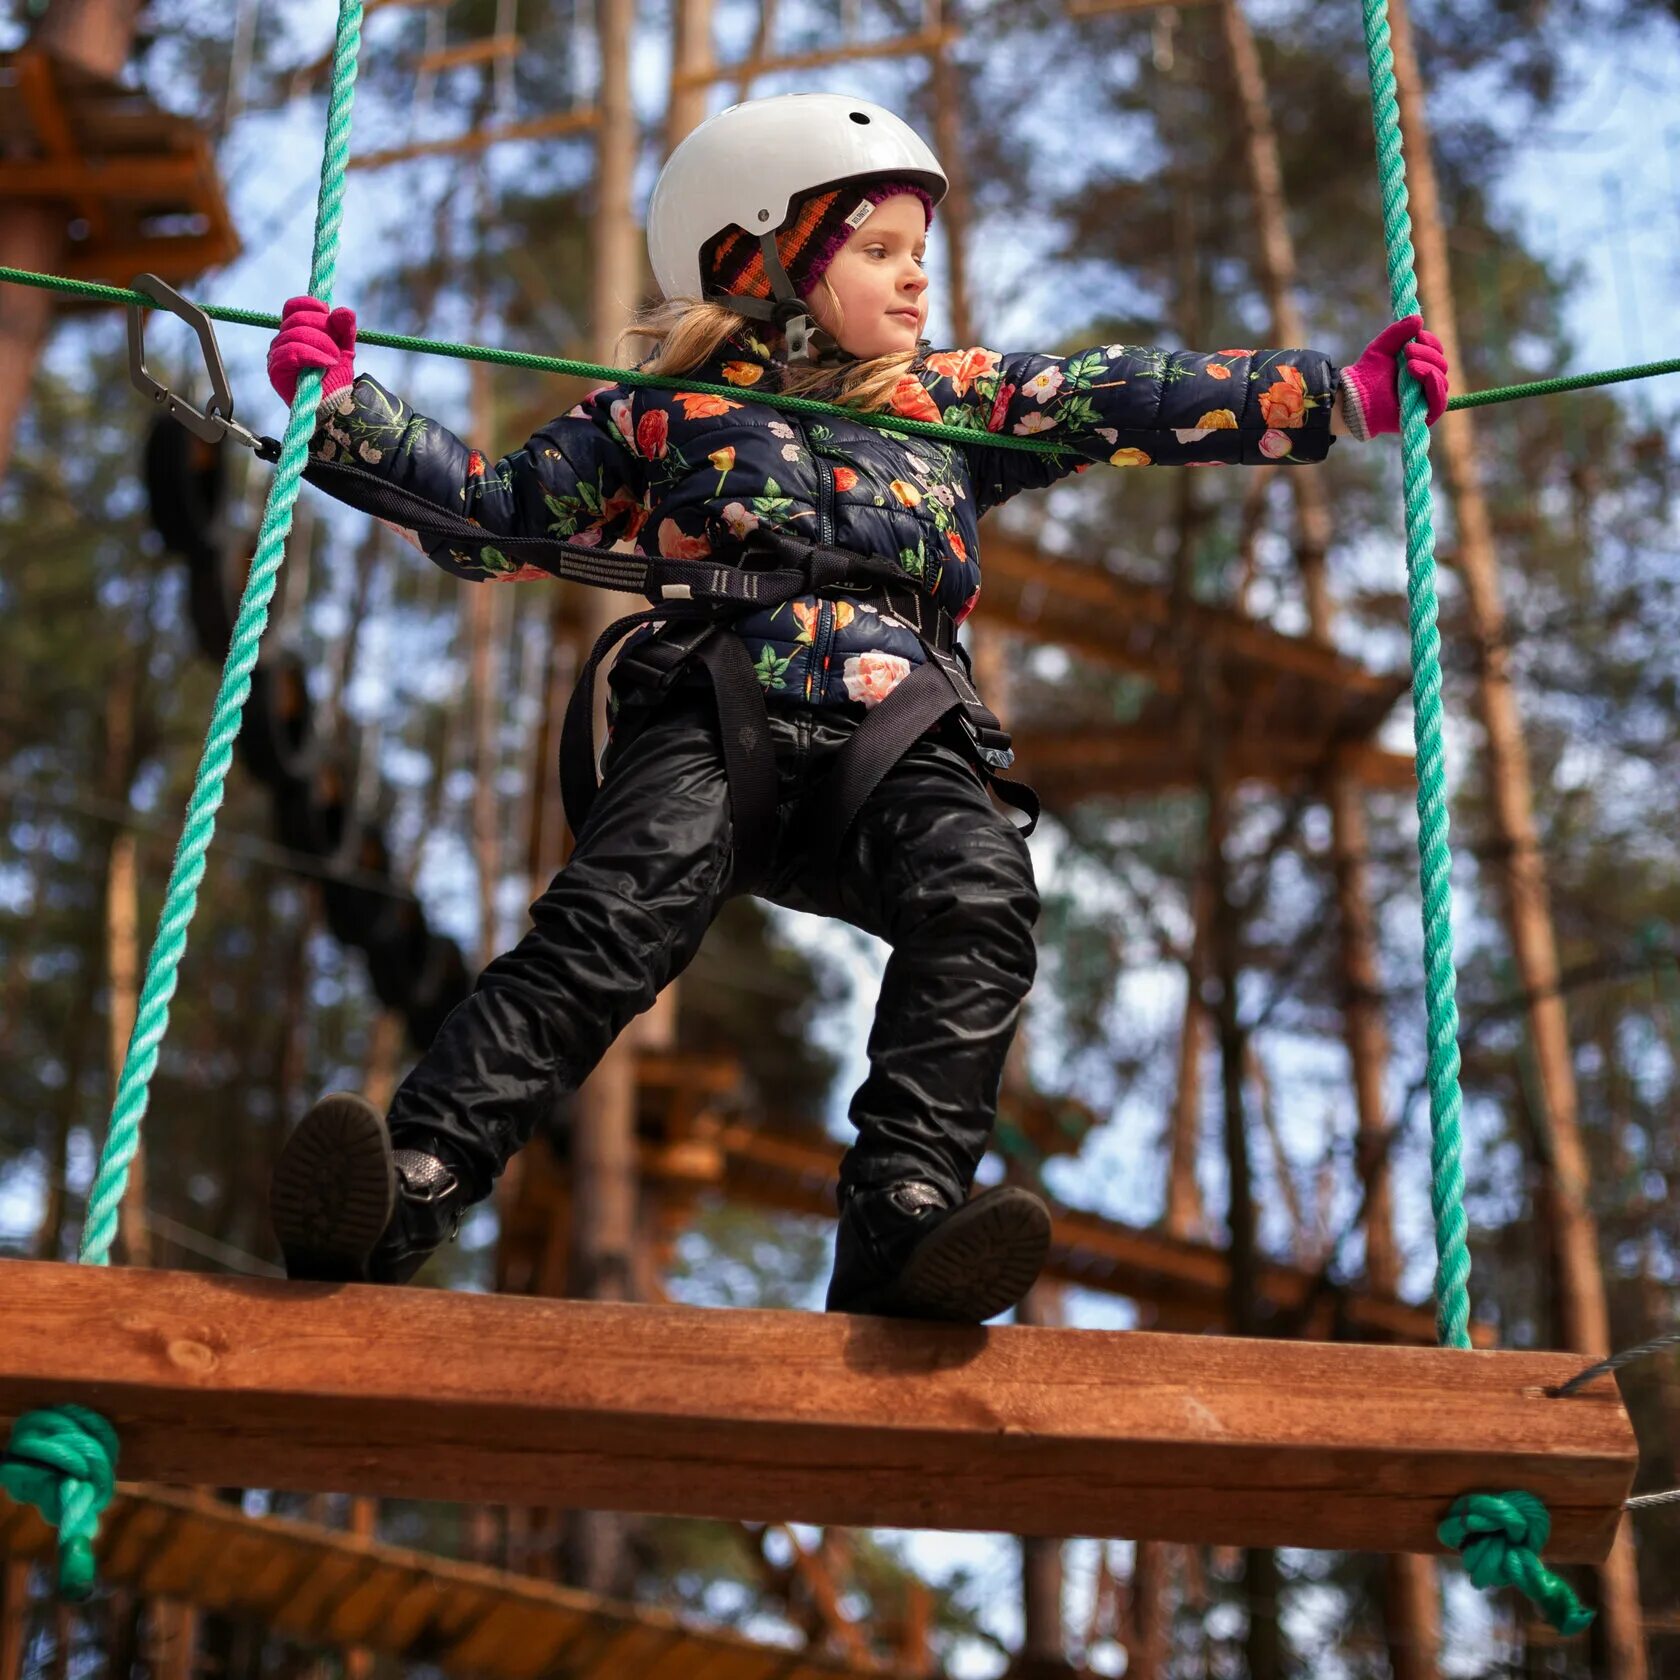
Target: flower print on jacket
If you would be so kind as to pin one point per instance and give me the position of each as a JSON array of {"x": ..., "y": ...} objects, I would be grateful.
[
  {"x": 653, "y": 431},
  {"x": 1284, "y": 403},
  {"x": 1043, "y": 385},
  {"x": 872, "y": 676},
  {"x": 674, "y": 544},
  {"x": 963, "y": 367},
  {"x": 692, "y": 476},
  {"x": 910, "y": 398},
  {"x": 702, "y": 405}
]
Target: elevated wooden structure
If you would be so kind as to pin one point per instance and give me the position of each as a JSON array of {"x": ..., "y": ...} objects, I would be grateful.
[
  {"x": 139, "y": 185},
  {"x": 1290, "y": 709},
  {"x": 807, "y": 1417},
  {"x": 320, "y": 1586}
]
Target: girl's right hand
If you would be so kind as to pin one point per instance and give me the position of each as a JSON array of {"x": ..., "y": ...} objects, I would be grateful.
[{"x": 311, "y": 336}]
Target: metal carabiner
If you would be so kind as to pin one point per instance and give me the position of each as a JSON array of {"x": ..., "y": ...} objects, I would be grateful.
[{"x": 215, "y": 422}]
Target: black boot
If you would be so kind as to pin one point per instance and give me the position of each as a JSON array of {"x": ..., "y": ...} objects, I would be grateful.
[
  {"x": 348, "y": 1208},
  {"x": 903, "y": 1251}
]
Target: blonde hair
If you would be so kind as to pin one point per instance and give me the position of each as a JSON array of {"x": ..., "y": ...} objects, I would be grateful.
[{"x": 687, "y": 333}]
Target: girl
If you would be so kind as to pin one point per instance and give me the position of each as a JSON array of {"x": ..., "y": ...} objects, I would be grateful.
[{"x": 788, "y": 237}]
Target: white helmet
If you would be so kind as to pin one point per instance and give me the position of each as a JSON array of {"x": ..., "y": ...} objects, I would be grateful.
[{"x": 745, "y": 166}]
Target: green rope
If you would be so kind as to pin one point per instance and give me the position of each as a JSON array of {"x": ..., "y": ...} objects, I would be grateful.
[
  {"x": 797, "y": 405},
  {"x": 1500, "y": 1535},
  {"x": 75, "y": 1515},
  {"x": 64, "y": 1461}
]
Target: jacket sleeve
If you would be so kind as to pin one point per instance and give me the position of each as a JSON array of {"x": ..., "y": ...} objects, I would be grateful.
[
  {"x": 575, "y": 478},
  {"x": 1128, "y": 405}
]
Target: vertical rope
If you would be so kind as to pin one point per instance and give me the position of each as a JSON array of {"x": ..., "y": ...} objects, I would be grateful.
[
  {"x": 96, "y": 1447},
  {"x": 1500, "y": 1535},
  {"x": 1452, "y": 1253}
]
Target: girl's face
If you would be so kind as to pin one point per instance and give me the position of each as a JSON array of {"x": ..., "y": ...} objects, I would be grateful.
[{"x": 879, "y": 282}]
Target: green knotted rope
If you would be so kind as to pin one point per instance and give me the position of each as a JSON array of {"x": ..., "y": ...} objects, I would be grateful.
[
  {"x": 797, "y": 405},
  {"x": 64, "y": 1461},
  {"x": 1501, "y": 1535},
  {"x": 65, "y": 1502}
]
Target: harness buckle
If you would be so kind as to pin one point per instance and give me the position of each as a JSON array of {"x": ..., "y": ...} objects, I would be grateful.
[{"x": 215, "y": 422}]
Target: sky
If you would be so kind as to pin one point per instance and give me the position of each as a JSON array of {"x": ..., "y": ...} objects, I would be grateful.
[{"x": 1597, "y": 186}]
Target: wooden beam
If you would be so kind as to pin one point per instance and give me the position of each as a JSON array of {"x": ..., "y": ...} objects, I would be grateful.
[
  {"x": 808, "y": 1417},
  {"x": 481, "y": 51},
  {"x": 1122, "y": 759},
  {"x": 324, "y": 1586},
  {"x": 900, "y": 46},
  {"x": 39, "y": 92},
  {"x": 174, "y": 260},
  {"x": 1135, "y": 625},
  {"x": 551, "y": 127},
  {"x": 91, "y": 179}
]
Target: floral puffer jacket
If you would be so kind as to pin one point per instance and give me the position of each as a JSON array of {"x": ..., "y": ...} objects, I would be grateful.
[{"x": 688, "y": 474}]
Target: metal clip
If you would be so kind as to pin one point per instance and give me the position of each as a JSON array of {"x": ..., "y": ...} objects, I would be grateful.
[{"x": 216, "y": 421}]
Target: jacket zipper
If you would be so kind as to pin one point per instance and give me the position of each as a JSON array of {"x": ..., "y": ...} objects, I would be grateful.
[{"x": 821, "y": 643}]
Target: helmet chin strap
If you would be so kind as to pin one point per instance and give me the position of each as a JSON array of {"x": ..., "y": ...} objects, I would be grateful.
[{"x": 806, "y": 341}]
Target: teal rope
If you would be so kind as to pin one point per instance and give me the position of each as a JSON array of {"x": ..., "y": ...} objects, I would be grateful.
[
  {"x": 1501, "y": 1535},
  {"x": 798, "y": 405},
  {"x": 75, "y": 1516},
  {"x": 64, "y": 1461}
]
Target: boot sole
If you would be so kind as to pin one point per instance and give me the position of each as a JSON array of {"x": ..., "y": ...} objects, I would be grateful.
[
  {"x": 978, "y": 1262},
  {"x": 334, "y": 1191}
]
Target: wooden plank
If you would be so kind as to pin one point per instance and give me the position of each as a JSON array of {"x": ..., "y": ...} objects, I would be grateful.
[
  {"x": 850, "y": 52},
  {"x": 461, "y": 1617},
  {"x": 484, "y": 49},
  {"x": 538, "y": 128},
  {"x": 35, "y": 86},
  {"x": 1117, "y": 760},
  {"x": 807, "y": 1417},
  {"x": 94, "y": 179}
]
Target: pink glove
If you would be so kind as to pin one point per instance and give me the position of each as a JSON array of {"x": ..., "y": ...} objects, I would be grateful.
[
  {"x": 1371, "y": 386},
  {"x": 310, "y": 337}
]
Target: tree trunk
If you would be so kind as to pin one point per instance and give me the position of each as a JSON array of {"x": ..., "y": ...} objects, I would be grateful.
[
  {"x": 1043, "y": 1633},
  {"x": 1410, "y": 1606},
  {"x": 14, "y": 1618},
  {"x": 122, "y": 941},
  {"x": 1583, "y": 1308},
  {"x": 603, "y": 1136},
  {"x": 97, "y": 36}
]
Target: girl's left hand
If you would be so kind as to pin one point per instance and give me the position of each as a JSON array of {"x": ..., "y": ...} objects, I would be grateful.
[{"x": 1371, "y": 386}]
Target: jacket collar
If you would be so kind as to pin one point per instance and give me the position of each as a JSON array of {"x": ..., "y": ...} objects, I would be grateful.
[{"x": 747, "y": 346}]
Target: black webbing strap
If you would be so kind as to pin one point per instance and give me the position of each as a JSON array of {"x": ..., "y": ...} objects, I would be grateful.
[
  {"x": 696, "y": 600},
  {"x": 886, "y": 734},
  {"x": 773, "y": 568},
  {"x": 748, "y": 755}
]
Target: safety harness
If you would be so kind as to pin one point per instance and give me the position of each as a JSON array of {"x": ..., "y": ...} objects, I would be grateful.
[{"x": 696, "y": 604}]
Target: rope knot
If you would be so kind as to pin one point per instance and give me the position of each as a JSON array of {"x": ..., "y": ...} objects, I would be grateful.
[
  {"x": 1501, "y": 1536},
  {"x": 63, "y": 1461}
]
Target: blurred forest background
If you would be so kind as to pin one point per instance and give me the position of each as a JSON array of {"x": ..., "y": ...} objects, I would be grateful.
[{"x": 1202, "y": 1017}]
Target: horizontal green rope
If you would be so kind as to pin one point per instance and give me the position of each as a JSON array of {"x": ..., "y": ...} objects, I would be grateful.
[
  {"x": 79, "y": 1442},
  {"x": 797, "y": 405}
]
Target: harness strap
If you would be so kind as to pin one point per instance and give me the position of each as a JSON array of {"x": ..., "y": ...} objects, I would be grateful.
[{"x": 695, "y": 602}]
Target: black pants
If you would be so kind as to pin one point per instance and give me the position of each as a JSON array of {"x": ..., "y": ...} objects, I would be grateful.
[{"x": 929, "y": 866}]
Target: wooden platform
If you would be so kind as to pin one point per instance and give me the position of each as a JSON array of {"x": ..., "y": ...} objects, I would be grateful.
[
  {"x": 321, "y": 1586},
  {"x": 807, "y": 1417},
  {"x": 139, "y": 185}
]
